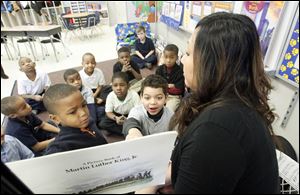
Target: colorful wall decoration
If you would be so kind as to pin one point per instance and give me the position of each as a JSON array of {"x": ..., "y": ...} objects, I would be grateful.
[
  {"x": 288, "y": 69},
  {"x": 266, "y": 15},
  {"x": 138, "y": 11}
]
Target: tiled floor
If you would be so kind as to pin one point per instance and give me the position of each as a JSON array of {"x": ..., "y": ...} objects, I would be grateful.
[{"x": 102, "y": 45}]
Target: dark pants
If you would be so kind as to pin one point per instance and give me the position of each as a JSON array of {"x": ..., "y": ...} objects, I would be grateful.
[
  {"x": 141, "y": 62},
  {"x": 106, "y": 89},
  {"x": 96, "y": 112},
  {"x": 111, "y": 125},
  {"x": 92, "y": 110}
]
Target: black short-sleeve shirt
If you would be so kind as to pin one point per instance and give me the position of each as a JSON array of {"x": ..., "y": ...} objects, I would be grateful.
[
  {"x": 144, "y": 48},
  {"x": 118, "y": 68},
  {"x": 27, "y": 131}
]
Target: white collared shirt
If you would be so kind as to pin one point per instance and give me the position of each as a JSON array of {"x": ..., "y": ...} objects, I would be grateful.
[
  {"x": 29, "y": 87},
  {"x": 113, "y": 104},
  {"x": 93, "y": 81}
]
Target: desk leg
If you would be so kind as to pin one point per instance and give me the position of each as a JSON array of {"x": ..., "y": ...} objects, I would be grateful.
[
  {"x": 53, "y": 48},
  {"x": 41, "y": 48},
  {"x": 32, "y": 51}
]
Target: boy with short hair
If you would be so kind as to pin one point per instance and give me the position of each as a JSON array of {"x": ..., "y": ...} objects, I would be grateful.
[
  {"x": 26, "y": 126},
  {"x": 67, "y": 107},
  {"x": 12, "y": 149},
  {"x": 93, "y": 78},
  {"x": 72, "y": 77},
  {"x": 32, "y": 84},
  {"x": 119, "y": 103},
  {"x": 173, "y": 73},
  {"x": 152, "y": 116},
  {"x": 125, "y": 64},
  {"x": 144, "y": 50}
]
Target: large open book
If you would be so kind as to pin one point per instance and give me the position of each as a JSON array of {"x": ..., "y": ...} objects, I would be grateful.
[{"x": 113, "y": 168}]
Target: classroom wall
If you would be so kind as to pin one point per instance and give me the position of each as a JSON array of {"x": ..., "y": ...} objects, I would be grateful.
[
  {"x": 280, "y": 99},
  {"x": 118, "y": 12},
  {"x": 170, "y": 35}
]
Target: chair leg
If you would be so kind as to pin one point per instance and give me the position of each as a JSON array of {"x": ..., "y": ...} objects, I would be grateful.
[
  {"x": 19, "y": 52},
  {"x": 42, "y": 48},
  {"x": 65, "y": 48},
  {"x": 8, "y": 52}
]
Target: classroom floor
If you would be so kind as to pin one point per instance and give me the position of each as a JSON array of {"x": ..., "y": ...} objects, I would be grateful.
[{"x": 102, "y": 45}]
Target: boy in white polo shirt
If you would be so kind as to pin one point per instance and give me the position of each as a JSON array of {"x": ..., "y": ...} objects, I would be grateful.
[
  {"x": 118, "y": 104},
  {"x": 94, "y": 79},
  {"x": 32, "y": 85}
]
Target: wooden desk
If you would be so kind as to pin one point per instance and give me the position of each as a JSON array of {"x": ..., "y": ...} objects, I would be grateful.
[{"x": 34, "y": 31}]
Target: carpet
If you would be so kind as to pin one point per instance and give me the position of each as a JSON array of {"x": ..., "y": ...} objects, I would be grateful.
[{"x": 107, "y": 69}]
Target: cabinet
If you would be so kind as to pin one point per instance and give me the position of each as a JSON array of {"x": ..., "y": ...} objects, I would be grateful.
[
  {"x": 88, "y": 6},
  {"x": 100, "y": 6}
]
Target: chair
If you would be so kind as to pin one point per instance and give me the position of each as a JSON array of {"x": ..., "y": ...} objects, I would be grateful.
[
  {"x": 55, "y": 39},
  {"x": 67, "y": 25},
  {"x": 92, "y": 22},
  {"x": 9, "y": 54}
]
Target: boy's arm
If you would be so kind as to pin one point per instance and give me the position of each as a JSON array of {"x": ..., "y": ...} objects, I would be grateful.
[
  {"x": 131, "y": 128},
  {"x": 152, "y": 47},
  {"x": 149, "y": 54},
  {"x": 133, "y": 133},
  {"x": 97, "y": 91},
  {"x": 34, "y": 97},
  {"x": 49, "y": 127},
  {"x": 135, "y": 70},
  {"x": 41, "y": 145},
  {"x": 136, "y": 75},
  {"x": 111, "y": 116},
  {"x": 139, "y": 54}
]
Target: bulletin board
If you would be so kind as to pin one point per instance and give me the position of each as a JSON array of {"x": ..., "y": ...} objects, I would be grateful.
[
  {"x": 194, "y": 11},
  {"x": 288, "y": 68},
  {"x": 172, "y": 13},
  {"x": 265, "y": 15}
]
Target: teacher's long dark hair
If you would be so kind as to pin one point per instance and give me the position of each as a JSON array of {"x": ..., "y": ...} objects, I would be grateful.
[{"x": 227, "y": 64}]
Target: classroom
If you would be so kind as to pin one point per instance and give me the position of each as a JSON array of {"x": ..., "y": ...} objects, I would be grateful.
[{"x": 150, "y": 97}]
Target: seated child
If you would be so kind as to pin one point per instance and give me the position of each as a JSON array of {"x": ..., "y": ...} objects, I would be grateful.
[
  {"x": 119, "y": 103},
  {"x": 125, "y": 64},
  {"x": 12, "y": 149},
  {"x": 32, "y": 84},
  {"x": 26, "y": 126},
  {"x": 93, "y": 78},
  {"x": 73, "y": 78},
  {"x": 173, "y": 73},
  {"x": 152, "y": 116},
  {"x": 67, "y": 107},
  {"x": 144, "y": 49}
]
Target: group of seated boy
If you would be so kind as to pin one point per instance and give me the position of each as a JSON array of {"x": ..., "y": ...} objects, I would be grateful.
[{"x": 130, "y": 106}]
